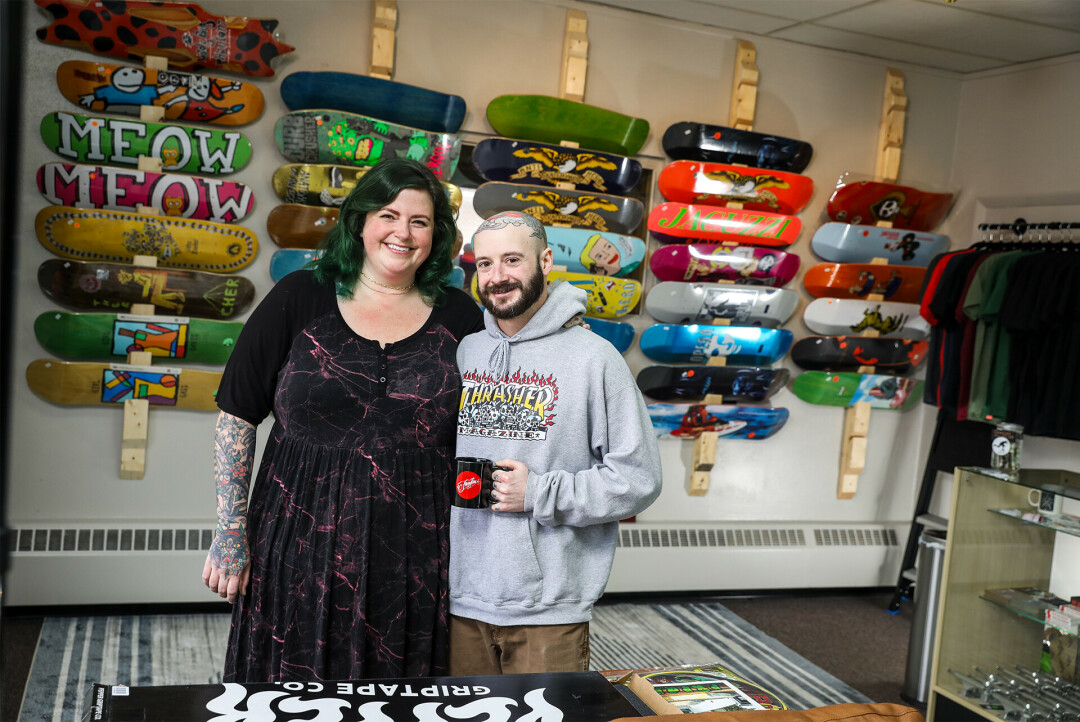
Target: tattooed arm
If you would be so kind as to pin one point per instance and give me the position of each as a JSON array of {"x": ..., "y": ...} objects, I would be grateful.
[{"x": 228, "y": 566}]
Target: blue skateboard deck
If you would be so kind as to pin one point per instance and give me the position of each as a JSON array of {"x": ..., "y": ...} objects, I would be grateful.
[
  {"x": 541, "y": 164},
  {"x": 555, "y": 206},
  {"x": 601, "y": 253},
  {"x": 287, "y": 260},
  {"x": 697, "y": 343},
  {"x": 688, "y": 421},
  {"x": 846, "y": 243},
  {"x": 388, "y": 100},
  {"x": 619, "y": 333}
]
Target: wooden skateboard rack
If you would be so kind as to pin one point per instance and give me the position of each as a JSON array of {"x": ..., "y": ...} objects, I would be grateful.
[
  {"x": 383, "y": 27},
  {"x": 575, "y": 57},
  {"x": 744, "y": 87},
  {"x": 136, "y": 429}
]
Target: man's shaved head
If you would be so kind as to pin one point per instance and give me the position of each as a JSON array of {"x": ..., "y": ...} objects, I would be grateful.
[{"x": 515, "y": 219}]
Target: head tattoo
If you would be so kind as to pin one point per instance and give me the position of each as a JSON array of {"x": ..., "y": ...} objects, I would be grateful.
[{"x": 506, "y": 219}]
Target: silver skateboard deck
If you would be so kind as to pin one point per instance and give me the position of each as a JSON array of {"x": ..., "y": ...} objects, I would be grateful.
[
  {"x": 843, "y": 316},
  {"x": 677, "y": 302}
]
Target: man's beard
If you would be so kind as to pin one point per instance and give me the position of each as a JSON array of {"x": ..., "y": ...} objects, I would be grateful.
[{"x": 532, "y": 289}]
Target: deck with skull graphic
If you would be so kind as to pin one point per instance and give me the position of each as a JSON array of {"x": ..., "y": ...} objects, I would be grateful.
[{"x": 862, "y": 200}]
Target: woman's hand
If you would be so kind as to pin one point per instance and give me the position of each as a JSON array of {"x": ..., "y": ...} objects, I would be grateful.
[{"x": 227, "y": 570}]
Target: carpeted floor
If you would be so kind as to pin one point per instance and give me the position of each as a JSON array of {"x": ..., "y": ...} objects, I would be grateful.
[{"x": 851, "y": 637}]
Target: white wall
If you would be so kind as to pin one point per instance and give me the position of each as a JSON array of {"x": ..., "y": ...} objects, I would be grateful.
[{"x": 64, "y": 463}]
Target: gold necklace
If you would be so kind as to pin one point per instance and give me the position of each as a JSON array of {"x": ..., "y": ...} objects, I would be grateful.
[{"x": 400, "y": 289}]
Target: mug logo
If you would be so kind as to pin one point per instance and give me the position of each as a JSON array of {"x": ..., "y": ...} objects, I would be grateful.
[{"x": 468, "y": 485}]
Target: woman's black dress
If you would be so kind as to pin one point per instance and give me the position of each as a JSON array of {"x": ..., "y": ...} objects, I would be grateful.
[{"x": 349, "y": 512}]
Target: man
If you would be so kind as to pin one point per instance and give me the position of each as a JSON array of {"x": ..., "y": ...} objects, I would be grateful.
[{"x": 556, "y": 406}]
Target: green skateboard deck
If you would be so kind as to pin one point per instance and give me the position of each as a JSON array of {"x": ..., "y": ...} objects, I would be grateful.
[
  {"x": 830, "y": 388},
  {"x": 331, "y": 136},
  {"x": 120, "y": 141},
  {"x": 554, "y": 120},
  {"x": 87, "y": 336},
  {"x": 96, "y": 235},
  {"x": 80, "y": 383}
]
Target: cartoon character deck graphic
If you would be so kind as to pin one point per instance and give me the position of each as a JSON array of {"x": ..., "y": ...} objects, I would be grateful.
[
  {"x": 697, "y": 343},
  {"x": 748, "y": 265},
  {"x": 555, "y": 206},
  {"x": 325, "y": 184},
  {"x": 330, "y": 136},
  {"x": 717, "y": 184},
  {"x": 688, "y": 421},
  {"x": 541, "y": 164},
  {"x": 117, "y": 236},
  {"x": 182, "y": 32},
  {"x": 857, "y": 199},
  {"x": 608, "y": 297},
  {"x": 125, "y": 189},
  {"x": 125, "y": 89},
  {"x": 119, "y": 141},
  {"x": 675, "y": 302},
  {"x": 846, "y": 316},
  {"x": 858, "y": 280},
  {"x": 389, "y": 100},
  {"x": 831, "y": 388},
  {"x": 554, "y": 120},
  {"x": 292, "y": 225},
  {"x": 694, "y": 383},
  {"x": 83, "y": 383},
  {"x": 97, "y": 286},
  {"x": 85, "y": 336},
  {"x": 603, "y": 254},
  {"x": 677, "y": 222},
  {"x": 850, "y": 353},
  {"x": 847, "y": 243},
  {"x": 719, "y": 144}
]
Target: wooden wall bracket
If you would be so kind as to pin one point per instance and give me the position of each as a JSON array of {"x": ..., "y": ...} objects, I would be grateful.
[
  {"x": 153, "y": 113},
  {"x": 136, "y": 428},
  {"x": 853, "y": 451},
  {"x": 383, "y": 31},
  {"x": 891, "y": 131},
  {"x": 575, "y": 59},
  {"x": 744, "y": 87}
]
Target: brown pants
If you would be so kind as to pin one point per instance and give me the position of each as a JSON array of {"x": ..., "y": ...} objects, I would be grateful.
[{"x": 481, "y": 648}]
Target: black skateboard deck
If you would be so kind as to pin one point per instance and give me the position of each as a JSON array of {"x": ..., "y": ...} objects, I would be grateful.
[
  {"x": 694, "y": 383},
  {"x": 719, "y": 144},
  {"x": 850, "y": 353}
]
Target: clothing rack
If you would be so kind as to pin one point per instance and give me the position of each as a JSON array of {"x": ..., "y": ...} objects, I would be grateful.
[{"x": 1020, "y": 227}]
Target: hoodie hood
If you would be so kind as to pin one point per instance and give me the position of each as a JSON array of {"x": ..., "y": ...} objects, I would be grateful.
[{"x": 564, "y": 301}]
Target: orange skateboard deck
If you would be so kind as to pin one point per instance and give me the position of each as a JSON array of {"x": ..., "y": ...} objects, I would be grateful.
[
  {"x": 717, "y": 184},
  {"x": 80, "y": 383},
  {"x": 858, "y": 199},
  {"x": 902, "y": 284}
]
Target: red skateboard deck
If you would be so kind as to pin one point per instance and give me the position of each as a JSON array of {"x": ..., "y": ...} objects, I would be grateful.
[
  {"x": 675, "y": 222},
  {"x": 716, "y": 184},
  {"x": 902, "y": 284},
  {"x": 858, "y": 199},
  {"x": 727, "y": 262},
  {"x": 184, "y": 33}
]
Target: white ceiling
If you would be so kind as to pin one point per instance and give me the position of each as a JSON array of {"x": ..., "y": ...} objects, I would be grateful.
[{"x": 964, "y": 36}]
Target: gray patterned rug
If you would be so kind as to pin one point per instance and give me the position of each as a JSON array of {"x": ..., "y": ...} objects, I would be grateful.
[{"x": 155, "y": 650}]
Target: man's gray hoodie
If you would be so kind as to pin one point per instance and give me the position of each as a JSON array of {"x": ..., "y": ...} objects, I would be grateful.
[{"x": 562, "y": 401}]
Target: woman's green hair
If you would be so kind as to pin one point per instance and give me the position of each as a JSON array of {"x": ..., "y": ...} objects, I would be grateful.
[{"x": 342, "y": 250}]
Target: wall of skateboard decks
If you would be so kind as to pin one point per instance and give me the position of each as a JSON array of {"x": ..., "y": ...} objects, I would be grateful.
[{"x": 247, "y": 184}]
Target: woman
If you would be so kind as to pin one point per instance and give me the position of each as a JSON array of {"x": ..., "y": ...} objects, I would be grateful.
[{"x": 348, "y": 518}]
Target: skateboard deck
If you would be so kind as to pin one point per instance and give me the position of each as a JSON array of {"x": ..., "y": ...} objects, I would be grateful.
[
  {"x": 287, "y": 260},
  {"x": 184, "y": 33},
  {"x": 694, "y": 383},
  {"x": 604, "y": 254},
  {"x": 85, "y": 336},
  {"x": 719, "y": 144},
  {"x": 717, "y": 184},
  {"x": 861, "y": 244},
  {"x": 688, "y": 421},
  {"x": 858, "y": 280},
  {"x": 608, "y": 297},
  {"x": 125, "y": 89},
  {"x": 125, "y": 189},
  {"x": 183, "y": 148},
  {"x": 677, "y": 222},
  {"x": 747, "y": 265},
  {"x": 554, "y": 120},
  {"x": 93, "y": 235},
  {"x": 116, "y": 286},
  {"x": 389, "y": 100},
  {"x": 291, "y": 225},
  {"x": 324, "y": 184},
  {"x": 846, "y": 389},
  {"x": 80, "y": 383},
  {"x": 330, "y": 136},
  {"x": 676, "y": 302},
  {"x": 845, "y": 316},
  {"x": 858, "y": 199},
  {"x": 850, "y": 353},
  {"x": 619, "y": 333},
  {"x": 554, "y": 206},
  {"x": 697, "y": 343},
  {"x": 541, "y": 164}
]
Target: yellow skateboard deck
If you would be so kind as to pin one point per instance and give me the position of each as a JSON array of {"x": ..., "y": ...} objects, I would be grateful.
[
  {"x": 326, "y": 184},
  {"x": 78, "y": 383},
  {"x": 100, "y": 235},
  {"x": 608, "y": 297}
]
